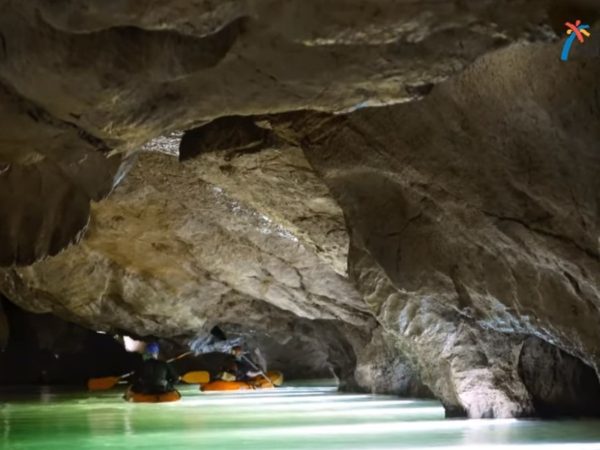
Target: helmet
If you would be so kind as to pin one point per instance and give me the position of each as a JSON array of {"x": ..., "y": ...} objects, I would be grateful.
[{"x": 152, "y": 348}]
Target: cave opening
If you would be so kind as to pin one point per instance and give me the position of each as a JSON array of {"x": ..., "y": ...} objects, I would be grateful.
[{"x": 560, "y": 384}]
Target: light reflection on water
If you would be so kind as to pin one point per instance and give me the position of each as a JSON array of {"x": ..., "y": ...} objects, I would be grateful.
[{"x": 288, "y": 418}]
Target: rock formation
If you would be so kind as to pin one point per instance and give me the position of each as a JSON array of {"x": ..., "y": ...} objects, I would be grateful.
[
  {"x": 374, "y": 185},
  {"x": 473, "y": 226},
  {"x": 256, "y": 243},
  {"x": 92, "y": 82}
]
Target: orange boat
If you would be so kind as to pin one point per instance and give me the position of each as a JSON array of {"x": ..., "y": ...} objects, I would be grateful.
[
  {"x": 255, "y": 383},
  {"x": 220, "y": 385},
  {"x": 136, "y": 397}
]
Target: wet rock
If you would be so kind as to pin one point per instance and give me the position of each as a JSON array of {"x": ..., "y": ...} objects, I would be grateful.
[
  {"x": 473, "y": 220},
  {"x": 383, "y": 369},
  {"x": 472, "y": 371}
]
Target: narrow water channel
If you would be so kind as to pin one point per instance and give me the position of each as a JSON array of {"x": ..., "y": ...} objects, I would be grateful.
[{"x": 289, "y": 418}]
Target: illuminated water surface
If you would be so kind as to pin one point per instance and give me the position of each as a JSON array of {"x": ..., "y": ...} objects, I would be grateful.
[{"x": 288, "y": 418}]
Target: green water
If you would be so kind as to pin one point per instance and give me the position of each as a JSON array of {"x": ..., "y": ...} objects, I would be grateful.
[{"x": 288, "y": 418}]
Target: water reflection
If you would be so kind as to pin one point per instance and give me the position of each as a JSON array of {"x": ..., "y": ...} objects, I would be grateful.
[{"x": 291, "y": 418}]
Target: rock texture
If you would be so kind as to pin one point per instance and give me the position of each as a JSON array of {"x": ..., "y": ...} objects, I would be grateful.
[
  {"x": 473, "y": 225},
  {"x": 255, "y": 244},
  {"x": 170, "y": 252},
  {"x": 82, "y": 85},
  {"x": 49, "y": 173},
  {"x": 382, "y": 368}
]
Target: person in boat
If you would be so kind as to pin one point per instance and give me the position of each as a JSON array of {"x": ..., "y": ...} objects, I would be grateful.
[
  {"x": 239, "y": 367},
  {"x": 154, "y": 376}
]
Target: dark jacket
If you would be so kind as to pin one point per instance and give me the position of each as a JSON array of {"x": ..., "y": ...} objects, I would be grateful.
[
  {"x": 154, "y": 377},
  {"x": 239, "y": 367}
]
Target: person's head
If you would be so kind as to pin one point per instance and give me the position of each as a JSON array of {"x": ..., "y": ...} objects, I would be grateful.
[
  {"x": 236, "y": 351},
  {"x": 152, "y": 350}
]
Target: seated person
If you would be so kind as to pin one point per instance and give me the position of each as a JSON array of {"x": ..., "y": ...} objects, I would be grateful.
[
  {"x": 241, "y": 366},
  {"x": 154, "y": 376}
]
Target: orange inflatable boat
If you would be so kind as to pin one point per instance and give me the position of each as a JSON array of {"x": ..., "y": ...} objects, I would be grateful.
[
  {"x": 136, "y": 397},
  {"x": 220, "y": 385},
  {"x": 255, "y": 383}
]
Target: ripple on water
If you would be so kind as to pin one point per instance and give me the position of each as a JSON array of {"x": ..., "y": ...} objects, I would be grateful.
[{"x": 289, "y": 418}]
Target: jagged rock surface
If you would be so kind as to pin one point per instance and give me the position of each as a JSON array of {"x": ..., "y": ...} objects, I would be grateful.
[
  {"x": 472, "y": 225},
  {"x": 382, "y": 368},
  {"x": 253, "y": 243},
  {"x": 82, "y": 84},
  {"x": 169, "y": 251}
]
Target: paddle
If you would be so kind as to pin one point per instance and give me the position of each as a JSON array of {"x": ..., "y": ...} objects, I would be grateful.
[
  {"x": 196, "y": 377},
  {"x": 258, "y": 369},
  {"x": 105, "y": 383}
]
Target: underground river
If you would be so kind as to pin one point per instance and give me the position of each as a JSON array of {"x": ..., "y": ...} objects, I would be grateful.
[{"x": 296, "y": 417}]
